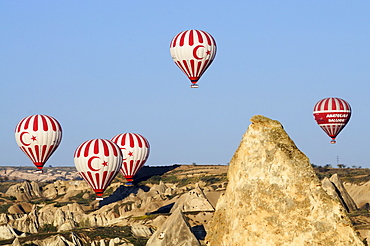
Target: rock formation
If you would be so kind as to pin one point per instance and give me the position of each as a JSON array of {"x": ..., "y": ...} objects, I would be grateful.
[
  {"x": 16, "y": 242},
  {"x": 334, "y": 187},
  {"x": 7, "y": 232},
  {"x": 20, "y": 208},
  {"x": 141, "y": 231},
  {"x": 175, "y": 231},
  {"x": 193, "y": 201},
  {"x": 359, "y": 193},
  {"x": 350, "y": 205},
  {"x": 274, "y": 197},
  {"x": 24, "y": 191}
]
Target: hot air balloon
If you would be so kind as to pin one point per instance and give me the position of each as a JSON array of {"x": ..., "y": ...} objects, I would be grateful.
[
  {"x": 135, "y": 150},
  {"x": 38, "y": 136},
  {"x": 332, "y": 114},
  {"x": 98, "y": 161},
  {"x": 193, "y": 52}
]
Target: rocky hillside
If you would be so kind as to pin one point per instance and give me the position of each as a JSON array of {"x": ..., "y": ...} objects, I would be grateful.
[
  {"x": 36, "y": 212},
  {"x": 64, "y": 210}
]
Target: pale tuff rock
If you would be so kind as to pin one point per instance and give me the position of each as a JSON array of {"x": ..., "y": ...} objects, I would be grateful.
[
  {"x": 350, "y": 205},
  {"x": 7, "y": 232},
  {"x": 359, "y": 193},
  {"x": 76, "y": 240},
  {"x": 193, "y": 201},
  {"x": 114, "y": 241},
  {"x": 56, "y": 240},
  {"x": 141, "y": 231},
  {"x": 24, "y": 191},
  {"x": 274, "y": 197},
  {"x": 133, "y": 202},
  {"x": 28, "y": 173},
  {"x": 5, "y": 218},
  {"x": 28, "y": 223},
  {"x": 163, "y": 189},
  {"x": 175, "y": 231},
  {"x": 20, "y": 208},
  {"x": 158, "y": 221},
  {"x": 65, "y": 188},
  {"x": 329, "y": 187},
  {"x": 337, "y": 191},
  {"x": 67, "y": 226},
  {"x": 16, "y": 242}
]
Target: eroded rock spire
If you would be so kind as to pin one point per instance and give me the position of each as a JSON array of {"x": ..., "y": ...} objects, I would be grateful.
[{"x": 274, "y": 197}]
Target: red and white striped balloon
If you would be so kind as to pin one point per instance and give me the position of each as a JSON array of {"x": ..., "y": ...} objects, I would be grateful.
[
  {"x": 135, "y": 150},
  {"x": 332, "y": 114},
  {"x": 38, "y": 136},
  {"x": 98, "y": 161},
  {"x": 193, "y": 52}
]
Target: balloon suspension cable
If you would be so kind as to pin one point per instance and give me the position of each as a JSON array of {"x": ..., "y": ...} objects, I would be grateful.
[{"x": 194, "y": 86}]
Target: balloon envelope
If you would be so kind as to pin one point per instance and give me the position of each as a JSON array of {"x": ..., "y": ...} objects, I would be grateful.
[
  {"x": 38, "y": 136},
  {"x": 193, "y": 52},
  {"x": 332, "y": 114},
  {"x": 135, "y": 150},
  {"x": 98, "y": 161}
]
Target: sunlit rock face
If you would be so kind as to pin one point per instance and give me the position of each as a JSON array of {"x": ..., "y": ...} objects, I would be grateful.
[
  {"x": 335, "y": 188},
  {"x": 175, "y": 231},
  {"x": 193, "y": 201},
  {"x": 348, "y": 202},
  {"x": 24, "y": 191},
  {"x": 274, "y": 197}
]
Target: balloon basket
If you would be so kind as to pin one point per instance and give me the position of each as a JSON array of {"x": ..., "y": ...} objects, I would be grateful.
[
  {"x": 99, "y": 198},
  {"x": 129, "y": 184},
  {"x": 39, "y": 171},
  {"x": 194, "y": 86},
  {"x": 333, "y": 141}
]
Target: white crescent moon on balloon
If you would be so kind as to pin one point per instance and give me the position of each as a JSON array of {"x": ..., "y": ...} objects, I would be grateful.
[
  {"x": 195, "y": 52},
  {"x": 21, "y": 138},
  {"x": 89, "y": 162},
  {"x": 122, "y": 154}
]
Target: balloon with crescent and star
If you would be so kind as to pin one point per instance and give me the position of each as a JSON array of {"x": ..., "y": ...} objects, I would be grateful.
[
  {"x": 332, "y": 115},
  {"x": 98, "y": 161},
  {"x": 38, "y": 136},
  {"x": 135, "y": 150},
  {"x": 193, "y": 51}
]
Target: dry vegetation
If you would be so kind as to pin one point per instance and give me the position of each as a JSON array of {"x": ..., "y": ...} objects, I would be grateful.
[{"x": 350, "y": 175}]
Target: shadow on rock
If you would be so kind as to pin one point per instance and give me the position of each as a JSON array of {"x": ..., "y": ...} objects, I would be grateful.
[
  {"x": 146, "y": 172},
  {"x": 163, "y": 210},
  {"x": 121, "y": 193},
  {"x": 199, "y": 232}
]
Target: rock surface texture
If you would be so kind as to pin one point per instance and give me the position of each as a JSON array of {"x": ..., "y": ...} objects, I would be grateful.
[
  {"x": 175, "y": 231},
  {"x": 274, "y": 197},
  {"x": 193, "y": 201},
  {"x": 335, "y": 188},
  {"x": 348, "y": 202}
]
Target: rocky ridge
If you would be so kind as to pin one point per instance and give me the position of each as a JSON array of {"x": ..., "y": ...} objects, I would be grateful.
[{"x": 143, "y": 208}]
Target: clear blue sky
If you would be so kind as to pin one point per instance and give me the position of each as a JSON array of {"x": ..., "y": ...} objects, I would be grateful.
[{"x": 103, "y": 67}]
